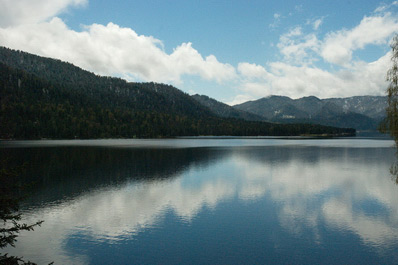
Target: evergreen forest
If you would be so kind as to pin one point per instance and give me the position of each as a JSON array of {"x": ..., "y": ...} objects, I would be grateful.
[{"x": 44, "y": 98}]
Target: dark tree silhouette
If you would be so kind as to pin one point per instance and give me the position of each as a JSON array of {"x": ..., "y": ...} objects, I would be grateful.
[
  {"x": 46, "y": 98},
  {"x": 10, "y": 196},
  {"x": 390, "y": 124}
]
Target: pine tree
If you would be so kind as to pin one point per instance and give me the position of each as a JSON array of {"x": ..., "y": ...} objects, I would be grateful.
[{"x": 390, "y": 124}]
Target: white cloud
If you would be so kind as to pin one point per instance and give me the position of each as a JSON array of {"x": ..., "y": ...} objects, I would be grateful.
[
  {"x": 257, "y": 89},
  {"x": 362, "y": 78},
  {"x": 249, "y": 70},
  {"x": 31, "y": 25},
  {"x": 297, "y": 31},
  {"x": 297, "y": 81},
  {"x": 337, "y": 48},
  {"x": 112, "y": 49},
  {"x": 298, "y": 74},
  {"x": 241, "y": 98},
  {"x": 292, "y": 181},
  {"x": 383, "y": 7},
  {"x": 317, "y": 23},
  {"x": 18, "y": 12},
  {"x": 297, "y": 48},
  {"x": 187, "y": 60}
]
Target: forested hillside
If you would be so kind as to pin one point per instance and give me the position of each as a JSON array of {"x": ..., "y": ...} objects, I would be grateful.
[{"x": 46, "y": 98}]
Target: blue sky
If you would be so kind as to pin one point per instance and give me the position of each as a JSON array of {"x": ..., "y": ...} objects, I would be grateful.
[{"x": 232, "y": 50}]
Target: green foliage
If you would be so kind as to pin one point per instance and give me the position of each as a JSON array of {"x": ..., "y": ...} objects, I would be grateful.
[{"x": 46, "y": 98}]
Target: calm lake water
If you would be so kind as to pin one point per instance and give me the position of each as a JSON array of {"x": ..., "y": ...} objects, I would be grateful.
[{"x": 209, "y": 201}]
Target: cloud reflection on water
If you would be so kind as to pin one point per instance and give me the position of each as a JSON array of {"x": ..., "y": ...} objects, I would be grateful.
[
  {"x": 313, "y": 186},
  {"x": 329, "y": 189}
]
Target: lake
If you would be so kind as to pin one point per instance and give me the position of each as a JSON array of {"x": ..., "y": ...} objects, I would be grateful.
[{"x": 209, "y": 201}]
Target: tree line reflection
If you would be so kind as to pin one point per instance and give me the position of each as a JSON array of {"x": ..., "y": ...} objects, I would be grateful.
[
  {"x": 122, "y": 192},
  {"x": 59, "y": 173}
]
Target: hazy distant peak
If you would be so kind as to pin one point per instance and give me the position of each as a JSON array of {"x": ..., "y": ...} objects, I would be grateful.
[
  {"x": 311, "y": 98},
  {"x": 361, "y": 112}
]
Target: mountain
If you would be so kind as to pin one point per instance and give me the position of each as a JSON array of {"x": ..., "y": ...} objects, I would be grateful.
[
  {"x": 371, "y": 106},
  {"x": 360, "y": 112},
  {"x": 47, "y": 98},
  {"x": 105, "y": 90},
  {"x": 224, "y": 110}
]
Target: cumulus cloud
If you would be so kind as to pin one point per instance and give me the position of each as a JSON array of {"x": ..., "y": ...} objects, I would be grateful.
[
  {"x": 104, "y": 49},
  {"x": 296, "y": 47},
  {"x": 32, "y": 11},
  {"x": 293, "y": 81},
  {"x": 338, "y": 46},
  {"x": 252, "y": 70},
  {"x": 323, "y": 67},
  {"x": 240, "y": 98},
  {"x": 310, "y": 64},
  {"x": 112, "y": 49}
]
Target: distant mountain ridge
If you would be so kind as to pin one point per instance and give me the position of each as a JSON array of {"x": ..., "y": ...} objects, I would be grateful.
[
  {"x": 359, "y": 112},
  {"x": 224, "y": 110},
  {"x": 371, "y": 106},
  {"x": 47, "y": 98}
]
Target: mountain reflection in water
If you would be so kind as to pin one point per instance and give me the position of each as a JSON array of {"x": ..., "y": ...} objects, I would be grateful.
[{"x": 288, "y": 201}]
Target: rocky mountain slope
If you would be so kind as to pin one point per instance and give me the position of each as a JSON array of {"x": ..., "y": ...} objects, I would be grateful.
[{"x": 360, "y": 112}]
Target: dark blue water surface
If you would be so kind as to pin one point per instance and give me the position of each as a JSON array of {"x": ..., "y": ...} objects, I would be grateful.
[{"x": 209, "y": 201}]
